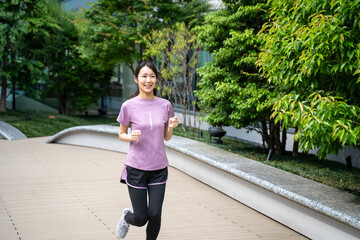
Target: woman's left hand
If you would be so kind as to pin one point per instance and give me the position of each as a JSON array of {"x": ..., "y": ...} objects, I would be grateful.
[{"x": 173, "y": 122}]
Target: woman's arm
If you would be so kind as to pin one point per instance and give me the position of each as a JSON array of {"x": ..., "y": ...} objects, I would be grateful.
[
  {"x": 124, "y": 136},
  {"x": 173, "y": 123}
]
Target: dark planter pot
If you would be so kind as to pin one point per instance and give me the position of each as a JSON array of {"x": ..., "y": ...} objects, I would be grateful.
[{"x": 217, "y": 133}]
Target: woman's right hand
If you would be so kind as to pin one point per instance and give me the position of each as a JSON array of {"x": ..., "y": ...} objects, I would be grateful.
[
  {"x": 128, "y": 137},
  {"x": 135, "y": 135}
]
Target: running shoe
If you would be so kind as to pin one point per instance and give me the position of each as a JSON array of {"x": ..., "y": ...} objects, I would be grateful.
[{"x": 122, "y": 227}]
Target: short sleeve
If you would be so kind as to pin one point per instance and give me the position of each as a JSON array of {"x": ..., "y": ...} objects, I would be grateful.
[{"x": 124, "y": 116}]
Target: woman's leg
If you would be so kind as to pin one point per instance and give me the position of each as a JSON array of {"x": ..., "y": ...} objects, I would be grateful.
[
  {"x": 138, "y": 198},
  {"x": 156, "y": 199}
]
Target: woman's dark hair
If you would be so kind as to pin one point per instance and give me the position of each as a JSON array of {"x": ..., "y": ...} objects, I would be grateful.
[{"x": 150, "y": 65}]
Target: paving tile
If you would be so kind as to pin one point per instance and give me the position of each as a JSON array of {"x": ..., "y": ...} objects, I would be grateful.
[{"x": 55, "y": 191}]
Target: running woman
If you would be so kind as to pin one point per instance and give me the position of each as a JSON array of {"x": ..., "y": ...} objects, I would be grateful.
[{"x": 152, "y": 121}]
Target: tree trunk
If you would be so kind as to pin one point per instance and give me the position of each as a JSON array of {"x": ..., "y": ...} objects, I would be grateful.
[
  {"x": 283, "y": 140},
  {"x": 295, "y": 152},
  {"x": 63, "y": 104},
  {"x": 3, "y": 94},
  {"x": 3, "y": 84},
  {"x": 264, "y": 133},
  {"x": 272, "y": 133},
  {"x": 13, "y": 83},
  {"x": 13, "y": 96},
  {"x": 278, "y": 147}
]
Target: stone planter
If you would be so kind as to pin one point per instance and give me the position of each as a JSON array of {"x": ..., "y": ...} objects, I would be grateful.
[{"x": 217, "y": 133}]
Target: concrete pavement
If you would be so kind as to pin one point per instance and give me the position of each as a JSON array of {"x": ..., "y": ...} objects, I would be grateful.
[{"x": 55, "y": 191}]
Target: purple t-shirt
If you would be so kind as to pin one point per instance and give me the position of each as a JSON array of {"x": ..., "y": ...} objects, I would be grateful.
[{"x": 150, "y": 117}]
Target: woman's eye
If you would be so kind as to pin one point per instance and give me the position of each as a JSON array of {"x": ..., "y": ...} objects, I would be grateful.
[{"x": 146, "y": 76}]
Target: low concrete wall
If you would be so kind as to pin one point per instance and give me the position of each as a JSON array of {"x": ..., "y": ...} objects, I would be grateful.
[
  {"x": 312, "y": 209},
  {"x": 255, "y": 138},
  {"x": 9, "y": 132}
]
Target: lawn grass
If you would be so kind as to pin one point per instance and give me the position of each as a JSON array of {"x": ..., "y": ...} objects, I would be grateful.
[
  {"x": 308, "y": 166},
  {"x": 47, "y": 124},
  {"x": 327, "y": 172}
]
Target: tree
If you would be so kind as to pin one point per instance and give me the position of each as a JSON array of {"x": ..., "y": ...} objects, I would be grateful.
[
  {"x": 114, "y": 31},
  {"x": 75, "y": 81},
  {"x": 177, "y": 51},
  {"x": 231, "y": 90},
  {"x": 20, "y": 22},
  {"x": 312, "y": 47}
]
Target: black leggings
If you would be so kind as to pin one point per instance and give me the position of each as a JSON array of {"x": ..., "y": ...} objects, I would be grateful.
[{"x": 144, "y": 212}]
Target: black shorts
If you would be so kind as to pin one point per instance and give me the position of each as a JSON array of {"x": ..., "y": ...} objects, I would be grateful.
[{"x": 137, "y": 178}]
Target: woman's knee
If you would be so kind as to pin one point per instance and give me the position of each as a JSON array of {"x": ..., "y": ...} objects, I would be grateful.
[
  {"x": 154, "y": 215},
  {"x": 140, "y": 220}
]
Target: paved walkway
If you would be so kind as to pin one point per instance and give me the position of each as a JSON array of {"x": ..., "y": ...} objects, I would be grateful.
[{"x": 55, "y": 191}]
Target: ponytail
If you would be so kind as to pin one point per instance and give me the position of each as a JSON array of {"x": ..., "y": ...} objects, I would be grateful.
[{"x": 135, "y": 94}]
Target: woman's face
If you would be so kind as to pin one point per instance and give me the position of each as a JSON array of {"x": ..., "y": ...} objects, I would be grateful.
[{"x": 146, "y": 80}]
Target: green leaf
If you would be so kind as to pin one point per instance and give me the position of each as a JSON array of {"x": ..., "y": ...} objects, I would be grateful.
[
  {"x": 342, "y": 37},
  {"x": 345, "y": 139}
]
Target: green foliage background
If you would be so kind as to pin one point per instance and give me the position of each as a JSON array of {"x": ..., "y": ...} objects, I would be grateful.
[
  {"x": 312, "y": 48},
  {"x": 38, "y": 49},
  {"x": 115, "y": 31},
  {"x": 23, "y": 24},
  {"x": 231, "y": 91}
]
